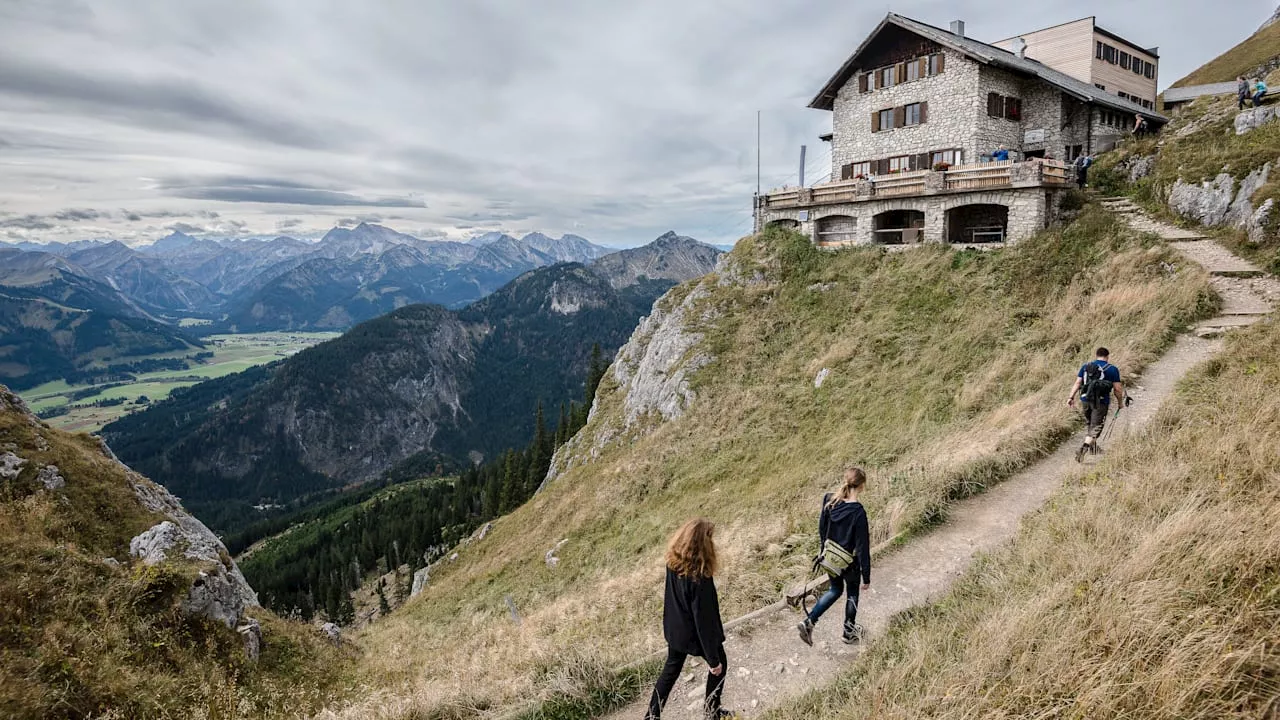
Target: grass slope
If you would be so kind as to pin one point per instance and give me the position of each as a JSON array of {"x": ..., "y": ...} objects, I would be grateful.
[
  {"x": 82, "y": 638},
  {"x": 1148, "y": 588},
  {"x": 1254, "y": 52},
  {"x": 948, "y": 369}
]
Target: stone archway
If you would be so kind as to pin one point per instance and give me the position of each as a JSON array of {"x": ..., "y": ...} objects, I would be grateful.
[
  {"x": 898, "y": 227},
  {"x": 977, "y": 223},
  {"x": 837, "y": 230}
]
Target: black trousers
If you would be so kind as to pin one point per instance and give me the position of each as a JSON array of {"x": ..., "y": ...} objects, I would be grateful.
[
  {"x": 1082, "y": 176},
  {"x": 667, "y": 680}
]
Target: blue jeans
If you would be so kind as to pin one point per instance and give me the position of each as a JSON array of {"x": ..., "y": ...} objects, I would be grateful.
[
  {"x": 1257, "y": 98},
  {"x": 838, "y": 587}
]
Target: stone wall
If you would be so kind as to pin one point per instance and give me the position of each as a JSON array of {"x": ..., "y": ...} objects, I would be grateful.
[
  {"x": 1030, "y": 210},
  {"x": 951, "y": 96}
]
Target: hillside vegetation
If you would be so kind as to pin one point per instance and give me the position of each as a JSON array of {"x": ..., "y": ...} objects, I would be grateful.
[
  {"x": 1255, "y": 52},
  {"x": 947, "y": 370},
  {"x": 87, "y": 631},
  {"x": 1149, "y": 587}
]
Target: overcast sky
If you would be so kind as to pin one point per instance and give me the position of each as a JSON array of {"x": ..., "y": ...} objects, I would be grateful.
[{"x": 613, "y": 119}]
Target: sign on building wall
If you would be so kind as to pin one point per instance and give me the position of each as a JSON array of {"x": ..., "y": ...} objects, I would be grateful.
[{"x": 1034, "y": 136}]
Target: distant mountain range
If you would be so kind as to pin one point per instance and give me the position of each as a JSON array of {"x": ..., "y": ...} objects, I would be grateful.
[
  {"x": 348, "y": 276},
  {"x": 421, "y": 379}
]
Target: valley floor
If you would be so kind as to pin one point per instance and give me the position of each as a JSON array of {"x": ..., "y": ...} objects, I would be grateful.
[{"x": 770, "y": 667}]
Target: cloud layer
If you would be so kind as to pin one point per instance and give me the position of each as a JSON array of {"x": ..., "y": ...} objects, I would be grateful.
[{"x": 615, "y": 121}]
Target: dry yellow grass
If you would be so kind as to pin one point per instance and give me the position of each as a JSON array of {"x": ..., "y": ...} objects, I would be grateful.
[
  {"x": 1149, "y": 588},
  {"x": 948, "y": 371}
]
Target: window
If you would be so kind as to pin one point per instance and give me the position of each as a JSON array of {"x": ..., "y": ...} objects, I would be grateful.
[
  {"x": 859, "y": 168},
  {"x": 950, "y": 157},
  {"x": 1123, "y": 95},
  {"x": 1149, "y": 70},
  {"x": 914, "y": 114},
  {"x": 882, "y": 121},
  {"x": 1004, "y": 107},
  {"x": 913, "y": 70},
  {"x": 937, "y": 63},
  {"x": 1137, "y": 66},
  {"x": 902, "y": 163},
  {"x": 1124, "y": 59},
  {"x": 886, "y": 77},
  {"x": 1109, "y": 54},
  {"x": 1098, "y": 52},
  {"x": 1013, "y": 109},
  {"x": 1100, "y": 86}
]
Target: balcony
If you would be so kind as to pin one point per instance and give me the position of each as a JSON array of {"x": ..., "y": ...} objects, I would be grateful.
[{"x": 958, "y": 179}]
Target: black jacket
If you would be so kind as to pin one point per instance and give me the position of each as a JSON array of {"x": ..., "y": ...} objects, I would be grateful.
[
  {"x": 691, "y": 618},
  {"x": 846, "y": 523}
]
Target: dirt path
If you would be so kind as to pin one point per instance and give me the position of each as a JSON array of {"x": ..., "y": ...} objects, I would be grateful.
[{"x": 767, "y": 660}]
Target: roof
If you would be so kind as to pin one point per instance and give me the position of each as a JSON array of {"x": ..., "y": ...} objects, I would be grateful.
[
  {"x": 1191, "y": 92},
  {"x": 987, "y": 55},
  {"x": 1093, "y": 22}
]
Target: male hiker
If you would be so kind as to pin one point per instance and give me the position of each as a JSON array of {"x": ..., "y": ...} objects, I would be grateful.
[
  {"x": 1083, "y": 163},
  {"x": 1096, "y": 382},
  {"x": 1243, "y": 90}
]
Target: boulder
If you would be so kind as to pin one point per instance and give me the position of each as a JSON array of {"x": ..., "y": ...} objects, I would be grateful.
[
  {"x": 1141, "y": 167},
  {"x": 420, "y": 579},
  {"x": 1207, "y": 202},
  {"x": 1254, "y": 118},
  {"x": 1241, "y": 212},
  {"x": 50, "y": 478},
  {"x": 10, "y": 466},
  {"x": 215, "y": 595},
  {"x": 251, "y": 633},
  {"x": 333, "y": 632},
  {"x": 1259, "y": 221}
]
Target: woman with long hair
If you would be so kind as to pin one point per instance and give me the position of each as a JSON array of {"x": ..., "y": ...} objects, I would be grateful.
[
  {"x": 691, "y": 616},
  {"x": 844, "y": 523}
]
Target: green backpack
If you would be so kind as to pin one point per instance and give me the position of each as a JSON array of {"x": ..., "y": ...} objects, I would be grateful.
[{"x": 834, "y": 559}]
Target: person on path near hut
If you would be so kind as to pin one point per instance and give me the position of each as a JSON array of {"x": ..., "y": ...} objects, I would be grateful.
[
  {"x": 1243, "y": 91},
  {"x": 1083, "y": 163},
  {"x": 845, "y": 537},
  {"x": 1259, "y": 92},
  {"x": 1096, "y": 382},
  {"x": 691, "y": 617}
]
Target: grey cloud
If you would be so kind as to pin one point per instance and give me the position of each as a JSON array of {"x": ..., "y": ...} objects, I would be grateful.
[
  {"x": 132, "y": 217},
  {"x": 288, "y": 224},
  {"x": 28, "y": 222},
  {"x": 77, "y": 214},
  {"x": 274, "y": 192},
  {"x": 153, "y": 102},
  {"x": 187, "y": 228},
  {"x": 353, "y": 221}
]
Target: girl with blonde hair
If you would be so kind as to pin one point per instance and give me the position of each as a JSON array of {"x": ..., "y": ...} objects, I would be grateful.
[
  {"x": 691, "y": 616},
  {"x": 845, "y": 538}
]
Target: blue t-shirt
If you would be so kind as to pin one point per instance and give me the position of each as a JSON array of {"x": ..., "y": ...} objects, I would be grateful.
[
  {"x": 1000, "y": 155},
  {"x": 1109, "y": 371}
]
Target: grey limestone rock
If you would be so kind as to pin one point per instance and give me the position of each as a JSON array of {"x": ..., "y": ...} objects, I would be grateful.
[
  {"x": 1141, "y": 167},
  {"x": 10, "y": 466},
  {"x": 655, "y": 364},
  {"x": 420, "y": 580},
  {"x": 50, "y": 478},
  {"x": 1254, "y": 118},
  {"x": 251, "y": 633},
  {"x": 333, "y": 632},
  {"x": 216, "y": 595},
  {"x": 1207, "y": 202}
]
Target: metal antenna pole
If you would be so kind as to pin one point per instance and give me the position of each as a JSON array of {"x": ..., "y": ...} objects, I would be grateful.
[
  {"x": 802, "y": 150},
  {"x": 757, "y": 153}
]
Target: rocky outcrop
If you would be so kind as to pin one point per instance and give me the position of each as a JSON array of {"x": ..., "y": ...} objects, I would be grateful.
[
  {"x": 420, "y": 580},
  {"x": 1222, "y": 202},
  {"x": 1141, "y": 167},
  {"x": 1254, "y": 118},
  {"x": 655, "y": 365},
  {"x": 10, "y": 466},
  {"x": 51, "y": 478},
  {"x": 1275, "y": 17}
]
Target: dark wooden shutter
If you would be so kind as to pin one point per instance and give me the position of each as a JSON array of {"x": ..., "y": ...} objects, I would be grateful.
[
  {"x": 924, "y": 66},
  {"x": 877, "y": 79},
  {"x": 862, "y": 83},
  {"x": 942, "y": 62},
  {"x": 846, "y": 172},
  {"x": 875, "y": 121},
  {"x": 924, "y": 112},
  {"x": 902, "y": 73},
  {"x": 995, "y": 105},
  {"x": 922, "y": 162},
  {"x": 1013, "y": 108},
  {"x": 882, "y": 167},
  {"x": 900, "y": 116}
]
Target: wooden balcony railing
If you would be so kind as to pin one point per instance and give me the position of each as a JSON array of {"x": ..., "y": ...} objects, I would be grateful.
[{"x": 962, "y": 178}]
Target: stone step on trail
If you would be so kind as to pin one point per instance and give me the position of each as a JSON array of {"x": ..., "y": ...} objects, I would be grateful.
[{"x": 1217, "y": 259}]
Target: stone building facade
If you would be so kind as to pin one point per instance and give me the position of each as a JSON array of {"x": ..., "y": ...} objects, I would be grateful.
[{"x": 918, "y": 113}]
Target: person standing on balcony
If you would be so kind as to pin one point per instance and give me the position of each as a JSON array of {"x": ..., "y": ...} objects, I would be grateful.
[{"x": 1000, "y": 155}]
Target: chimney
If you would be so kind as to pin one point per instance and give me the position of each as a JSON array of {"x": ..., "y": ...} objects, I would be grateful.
[
  {"x": 957, "y": 28},
  {"x": 1019, "y": 47}
]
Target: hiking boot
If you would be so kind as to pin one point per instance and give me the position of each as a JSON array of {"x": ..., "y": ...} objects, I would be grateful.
[
  {"x": 806, "y": 631},
  {"x": 1080, "y": 453},
  {"x": 852, "y": 635}
]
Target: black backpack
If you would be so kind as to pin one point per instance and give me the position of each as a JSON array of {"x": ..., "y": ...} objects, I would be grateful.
[{"x": 1096, "y": 385}]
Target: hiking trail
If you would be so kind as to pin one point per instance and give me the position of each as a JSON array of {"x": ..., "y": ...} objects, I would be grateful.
[{"x": 767, "y": 660}]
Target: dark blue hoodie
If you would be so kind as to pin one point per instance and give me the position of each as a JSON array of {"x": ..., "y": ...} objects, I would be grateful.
[{"x": 846, "y": 523}]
